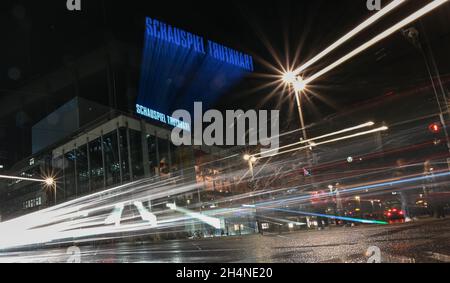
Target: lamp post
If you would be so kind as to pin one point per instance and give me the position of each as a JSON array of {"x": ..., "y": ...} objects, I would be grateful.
[
  {"x": 47, "y": 182},
  {"x": 50, "y": 183},
  {"x": 250, "y": 160},
  {"x": 298, "y": 84},
  {"x": 299, "y": 87}
]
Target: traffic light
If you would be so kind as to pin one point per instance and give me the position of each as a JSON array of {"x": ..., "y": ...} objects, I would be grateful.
[{"x": 435, "y": 128}]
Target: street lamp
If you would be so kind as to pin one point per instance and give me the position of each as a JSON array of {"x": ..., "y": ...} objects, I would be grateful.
[
  {"x": 292, "y": 79},
  {"x": 51, "y": 184},
  {"x": 49, "y": 181},
  {"x": 251, "y": 160},
  {"x": 299, "y": 85},
  {"x": 289, "y": 78}
]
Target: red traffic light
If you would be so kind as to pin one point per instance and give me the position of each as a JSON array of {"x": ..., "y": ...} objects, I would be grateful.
[{"x": 435, "y": 128}]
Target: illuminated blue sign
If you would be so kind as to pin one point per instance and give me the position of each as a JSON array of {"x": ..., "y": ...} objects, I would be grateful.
[
  {"x": 180, "y": 68},
  {"x": 166, "y": 119},
  {"x": 179, "y": 37}
]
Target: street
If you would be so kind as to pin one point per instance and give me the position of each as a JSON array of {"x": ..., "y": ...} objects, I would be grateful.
[{"x": 420, "y": 242}]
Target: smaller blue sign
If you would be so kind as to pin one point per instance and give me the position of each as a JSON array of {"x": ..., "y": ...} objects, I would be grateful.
[{"x": 165, "y": 119}]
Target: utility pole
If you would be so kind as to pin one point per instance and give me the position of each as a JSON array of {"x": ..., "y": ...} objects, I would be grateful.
[{"x": 413, "y": 36}]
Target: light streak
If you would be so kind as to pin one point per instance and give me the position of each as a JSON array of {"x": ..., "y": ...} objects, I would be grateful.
[
  {"x": 115, "y": 216},
  {"x": 393, "y": 5},
  {"x": 368, "y": 124},
  {"x": 214, "y": 222},
  {"x": 343, "y": 192},
  {"x": 83, "y": 219},
  {"x": 282, "y": 220},
  {"x": 423, "y": 11},
  {"x": 68, "y": 220},
  {"x": 384, "y": 128},
  {"x": 359, "y": 220},
  {"x": 272, "y": 218},
  {"x": 22, "y": 178},
  {"x": 145, "y": 214}
]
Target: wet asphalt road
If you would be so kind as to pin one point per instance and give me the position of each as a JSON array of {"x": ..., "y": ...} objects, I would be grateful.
[{"x": 422, "y": 241}]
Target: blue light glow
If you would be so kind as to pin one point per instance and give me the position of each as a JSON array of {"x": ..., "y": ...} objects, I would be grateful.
[
  {"x": 350, "y": 219},
  {"x": 180, "y": 68}
]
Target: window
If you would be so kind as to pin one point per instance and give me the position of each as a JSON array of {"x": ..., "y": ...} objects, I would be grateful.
[
  {"x": 96, "y": 158},
  {"x": 124, "y": 154},
  {"x": 164, "y": 157},
  {"x": 82, "y": 170},
  {"x": 152, "y": 161},
  {"x": 32, "y": 203},
  {"x": 69, "y": 171},
  {"x": 136, "y": 154},
  {"x": 112, "y": 170}
]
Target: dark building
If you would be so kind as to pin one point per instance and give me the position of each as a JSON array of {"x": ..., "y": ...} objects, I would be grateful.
[
  {"x": 109, "y": 150},
  {"x": 92, "y": 139},
  {"x": 64, "y": 121}
]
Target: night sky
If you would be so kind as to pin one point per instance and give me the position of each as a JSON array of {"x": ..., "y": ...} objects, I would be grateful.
[{"x": 42, "y": 37}]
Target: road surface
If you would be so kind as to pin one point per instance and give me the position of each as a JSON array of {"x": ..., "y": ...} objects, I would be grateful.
[{"x": 421, "y": 241}]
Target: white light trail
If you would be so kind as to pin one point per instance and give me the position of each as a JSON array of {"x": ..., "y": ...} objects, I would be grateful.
[
  {"x": 214, "y": 222},
  {"x": 171, "y": 206},
  {"x": 145, "y": 214},
  {"x": 423, "y": 11},
  {"x": 384, "y": 128},
  {"x": 115, "y": 216},
  {"x": 84, "y": 218},
  {"x": 368, "y": 124},
  {"x": 393, "y": 5},
  {"x": 22, "y": 179}
]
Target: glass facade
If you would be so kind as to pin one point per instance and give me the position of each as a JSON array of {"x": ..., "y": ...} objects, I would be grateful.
[
  {"x": 96, "y": 163},
  {"x": 124, "y": 156},
  {"x": 121, "y": 150},
  {"x": 164, "y": 157},
  {"x": 152, "y": 160},
  {"x": 82, "y": 170},
  {"x": 118, "y": 156},
  {"x": 58, "y": 168},
  {"x": 115, "y": 152},
  {"x": 111, "y": 153},
  {"x": 70, "y": 180},
  {"x": 136, "y": 152}
]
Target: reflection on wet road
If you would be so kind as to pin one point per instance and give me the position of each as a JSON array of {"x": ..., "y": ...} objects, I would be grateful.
[{"x": 423, "y": 241}]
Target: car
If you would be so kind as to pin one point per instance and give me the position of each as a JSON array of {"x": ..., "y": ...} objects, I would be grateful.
[{"x": 394, "y": 214}]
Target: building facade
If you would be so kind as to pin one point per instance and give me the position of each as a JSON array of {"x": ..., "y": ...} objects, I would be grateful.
[{"x": 115, "y": 149}]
